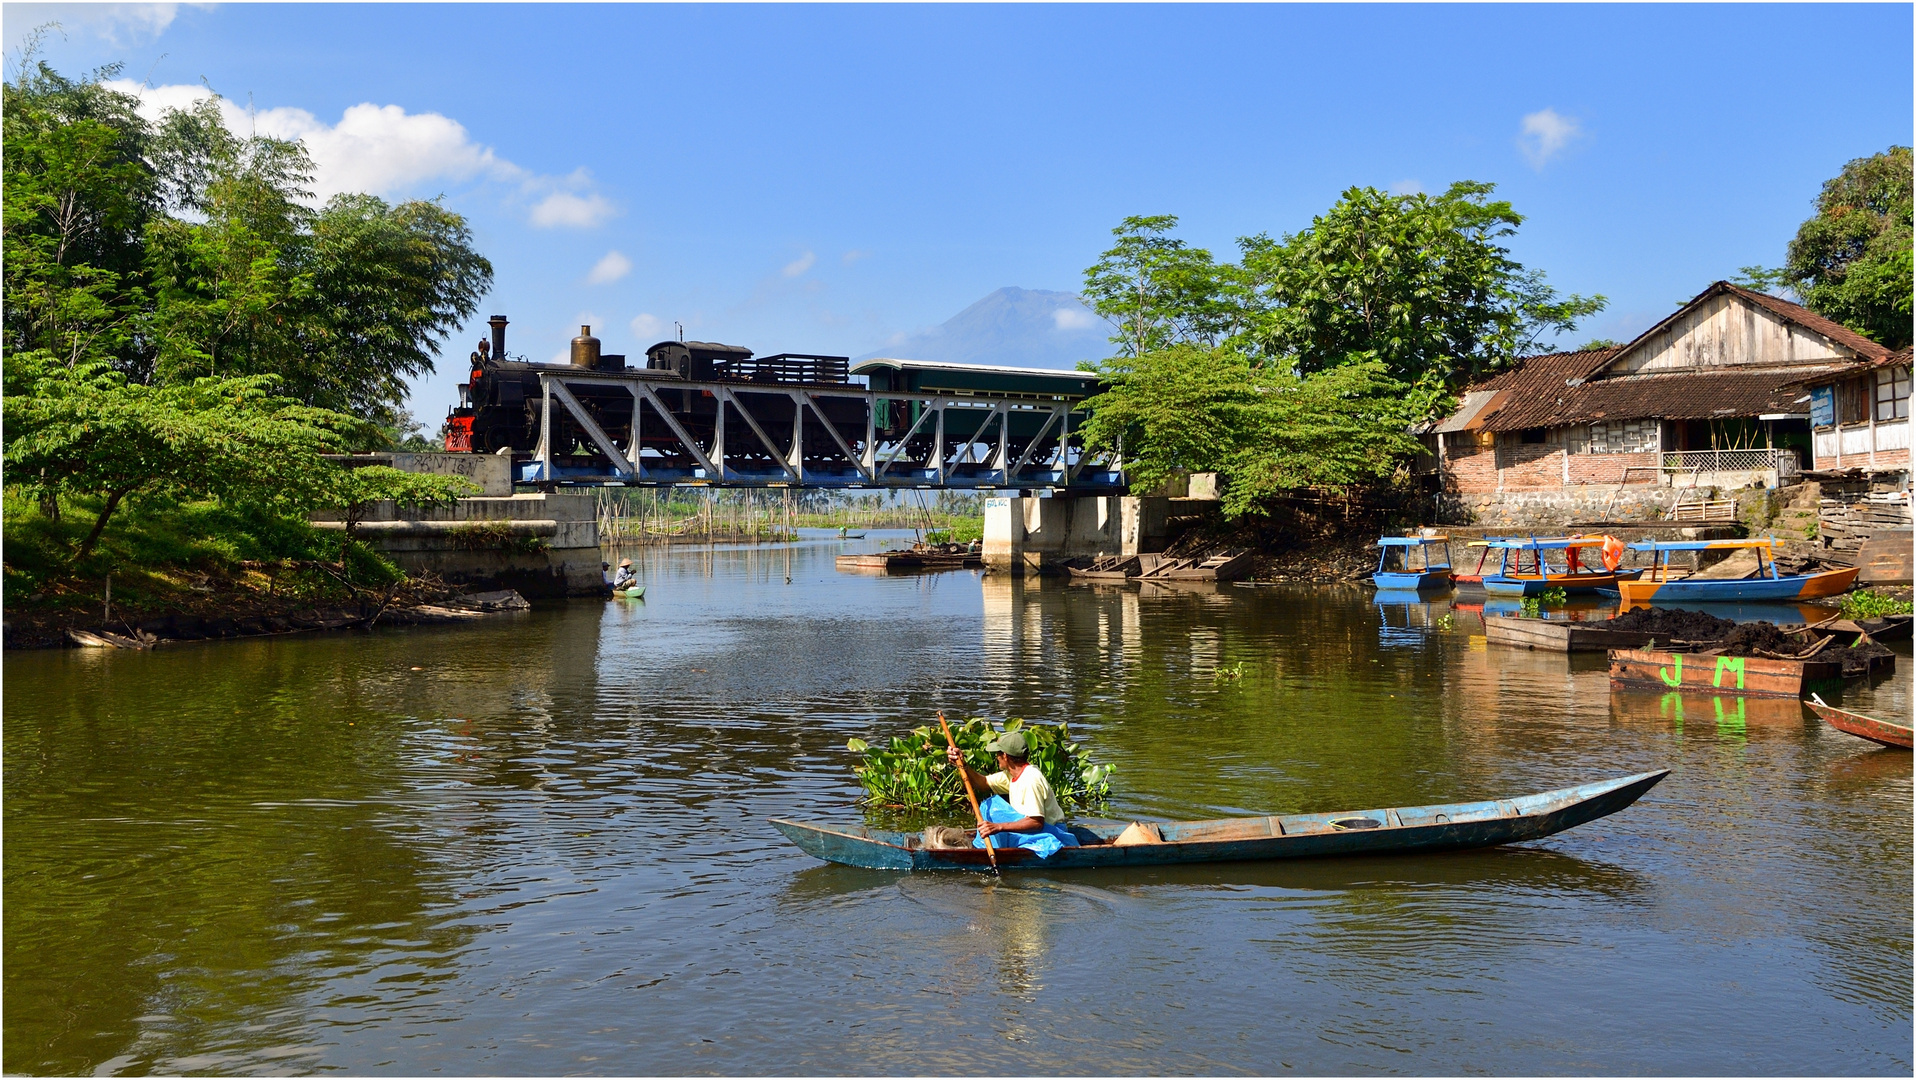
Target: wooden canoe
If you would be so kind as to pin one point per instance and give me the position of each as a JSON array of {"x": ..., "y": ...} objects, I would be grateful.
[
  {"x": 1863, "y": 727},
  {"x": 1736, "y": 590},
  {"x": 1222, "y": 566},
  {"x": 1553, "y": 635},
  {"x": 1106, "y": 568},
  {"x": 1754, "y": 676},
  {"x": 1399, "y": 830}
]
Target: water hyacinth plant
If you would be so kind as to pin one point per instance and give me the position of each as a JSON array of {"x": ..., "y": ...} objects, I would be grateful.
[{"x": 911, "y": 772}]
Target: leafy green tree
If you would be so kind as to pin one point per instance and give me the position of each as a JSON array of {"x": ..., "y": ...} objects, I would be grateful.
[
  {"x": 1157, "y": 291},
  {"x": 77, "y": 196},
  {"x": 86, "y": 430},
  {"x": 344, "y": 303},
  {"x": 1852, "y": 261},
  {"x": 1264, "y": 429},
  {"x": 1344, "y": 425},
  {"x": 1182, "y": 407},
  {"x": 1421, "y": 283},
  {"x": 388, "y": 283}
]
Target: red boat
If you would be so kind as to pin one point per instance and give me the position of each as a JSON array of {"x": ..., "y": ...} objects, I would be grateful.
[{"x": 1863, "y": 727}]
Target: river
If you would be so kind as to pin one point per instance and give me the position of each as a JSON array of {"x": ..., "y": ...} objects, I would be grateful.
[{"x": 539, "y": 845}]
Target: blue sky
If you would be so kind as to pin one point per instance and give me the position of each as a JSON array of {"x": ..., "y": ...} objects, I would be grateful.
[{"x": 825, "y": 178}]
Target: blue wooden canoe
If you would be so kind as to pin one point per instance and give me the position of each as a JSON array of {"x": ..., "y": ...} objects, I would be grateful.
[{"x": 1446, "y": 827}]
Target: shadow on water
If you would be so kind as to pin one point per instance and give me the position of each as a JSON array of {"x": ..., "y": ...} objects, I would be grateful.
[{"x": 1518, "y": 868}]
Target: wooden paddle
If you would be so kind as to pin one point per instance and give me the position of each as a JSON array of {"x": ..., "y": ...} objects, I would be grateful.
[{"x": 965, "y": 777}]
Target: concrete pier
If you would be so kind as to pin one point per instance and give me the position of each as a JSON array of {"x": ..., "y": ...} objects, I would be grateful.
[{"x": 1027, "y": 535}]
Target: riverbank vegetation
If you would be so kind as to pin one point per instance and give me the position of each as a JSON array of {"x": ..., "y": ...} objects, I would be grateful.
[
  {"x": 911, "y": 773},
  {"x": 1307, "y": 361},
  {"x": 186, "y": 332}
]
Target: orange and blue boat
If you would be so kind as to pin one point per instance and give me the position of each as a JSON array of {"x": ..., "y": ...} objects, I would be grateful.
[
  {"x": 1576, "y": 575},
  {"x": 1660, "y": 586},
  {"x": 1412, "y": 563}
]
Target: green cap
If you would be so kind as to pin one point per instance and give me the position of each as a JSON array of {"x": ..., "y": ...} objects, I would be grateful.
[{"x": 1010, "y": 742}]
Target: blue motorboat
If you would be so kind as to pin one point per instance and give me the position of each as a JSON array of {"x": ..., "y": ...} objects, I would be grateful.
[{"x": 1413, "y": 563}]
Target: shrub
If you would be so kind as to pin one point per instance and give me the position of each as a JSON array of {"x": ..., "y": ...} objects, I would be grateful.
[{"x": 911, "y": 772}]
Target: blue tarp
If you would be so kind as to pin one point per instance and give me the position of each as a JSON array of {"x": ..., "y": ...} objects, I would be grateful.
[{"x": 1044, "y": 844}]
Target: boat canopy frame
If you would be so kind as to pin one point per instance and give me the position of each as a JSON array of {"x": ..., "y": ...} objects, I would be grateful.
[
  {"x": 1660, "y": 567},
  {"x": 1404, "y": 545}
]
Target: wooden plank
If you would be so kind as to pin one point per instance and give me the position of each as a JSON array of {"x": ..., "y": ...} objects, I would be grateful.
[
  {"x": 1753, "y": 676},
  {"x": 1886, "y": 559}
]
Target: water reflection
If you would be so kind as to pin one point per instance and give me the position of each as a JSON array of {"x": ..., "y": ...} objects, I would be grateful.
[{"x": 545, "y": 849}]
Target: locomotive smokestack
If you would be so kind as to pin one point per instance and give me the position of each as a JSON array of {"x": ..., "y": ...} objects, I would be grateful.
[{"x": 498, "y": 324}]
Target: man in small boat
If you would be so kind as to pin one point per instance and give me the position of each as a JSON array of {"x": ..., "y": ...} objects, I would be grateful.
[
  {"x": 625, "y": 578},
  {"x": 1023, "y": 811}
]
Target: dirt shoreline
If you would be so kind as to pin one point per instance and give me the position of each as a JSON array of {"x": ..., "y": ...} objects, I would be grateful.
[{"x": 241, "y": 615}]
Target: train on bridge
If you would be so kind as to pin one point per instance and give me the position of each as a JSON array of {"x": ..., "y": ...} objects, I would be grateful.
[{"x": 697, "y": 412}]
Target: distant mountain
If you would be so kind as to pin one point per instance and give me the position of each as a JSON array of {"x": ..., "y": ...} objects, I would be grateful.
[{"x": 1013, "y": 326}]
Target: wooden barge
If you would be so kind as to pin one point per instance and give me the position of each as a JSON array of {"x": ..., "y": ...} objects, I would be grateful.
[
  {"x": 917, "y": 557},
  {"x": 1704, "y": 672},
  {"x": 1552, "y": 635}
]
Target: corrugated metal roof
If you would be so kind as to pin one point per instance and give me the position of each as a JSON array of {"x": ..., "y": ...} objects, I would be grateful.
[
  {"x": 1680, "y": 396},
  {"x": 864, "y": 366}
]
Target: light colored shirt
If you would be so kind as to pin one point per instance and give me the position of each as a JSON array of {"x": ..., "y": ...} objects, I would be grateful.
[{"x": 1030, "y": 794}]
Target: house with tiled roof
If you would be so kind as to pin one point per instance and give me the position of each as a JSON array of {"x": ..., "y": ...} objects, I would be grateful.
[{"x": 1715, "y": 395}]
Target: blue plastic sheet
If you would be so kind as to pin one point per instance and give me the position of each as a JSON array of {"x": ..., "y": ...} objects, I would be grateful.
[{"x": 1044, "y": 843}]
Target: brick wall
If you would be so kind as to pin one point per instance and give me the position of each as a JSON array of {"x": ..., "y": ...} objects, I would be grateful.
[
  {"x": 1609, "y": 468},
  {"x": 1472, "y": 470},
  {"x": 1531, "y": 466}
]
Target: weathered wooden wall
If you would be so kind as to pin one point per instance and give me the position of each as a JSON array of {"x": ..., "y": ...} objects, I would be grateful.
[{"x": 1724, "y": 332}]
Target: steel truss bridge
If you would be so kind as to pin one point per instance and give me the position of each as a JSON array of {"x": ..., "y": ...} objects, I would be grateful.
[{"x": 768, "y": 435}]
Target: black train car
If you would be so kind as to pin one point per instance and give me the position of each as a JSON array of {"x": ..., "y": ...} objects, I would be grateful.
[{"x": 501, "y": 403}]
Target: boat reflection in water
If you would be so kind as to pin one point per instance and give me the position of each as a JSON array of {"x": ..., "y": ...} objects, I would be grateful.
[
  {"x": 1406, "y": 617},
  {"x": 1728, "y": 715},
  {"x": 1753, "y": 611}
]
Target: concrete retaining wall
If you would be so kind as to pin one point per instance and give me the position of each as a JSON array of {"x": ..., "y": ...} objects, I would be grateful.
[
  {"x": 492, "y": 472},
  {"x": 543, "y": 545},
  {"x": 1554, "y": 509}
]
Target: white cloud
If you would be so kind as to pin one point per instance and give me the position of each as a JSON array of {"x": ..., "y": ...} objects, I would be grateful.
[
  {"x": 1073, "y": 318},
  {"x": 387, "y": 151},
  {"x": 1544, "y": 134},
  {"x": 647, "y": 327},
  {"x": 1407, "y": 187},
  {"x": 120, "y": 25},
  {"x": 853, "y": 256},
  {"x": 799, "y": 265},
  {"x": 609, "y": 269},
  {"x": 573, "y": 210}
]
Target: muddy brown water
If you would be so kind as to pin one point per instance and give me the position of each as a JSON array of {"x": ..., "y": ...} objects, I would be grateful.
[{"x": 540, "y": 845}]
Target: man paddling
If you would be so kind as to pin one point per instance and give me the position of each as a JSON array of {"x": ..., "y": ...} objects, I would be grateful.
[{"x": 1022, "y": 811}]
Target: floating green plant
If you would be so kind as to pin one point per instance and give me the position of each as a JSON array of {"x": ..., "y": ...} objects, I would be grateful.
[
  {"x": 911, "y": 772},
  {"x": 1873, "y": 605}
]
